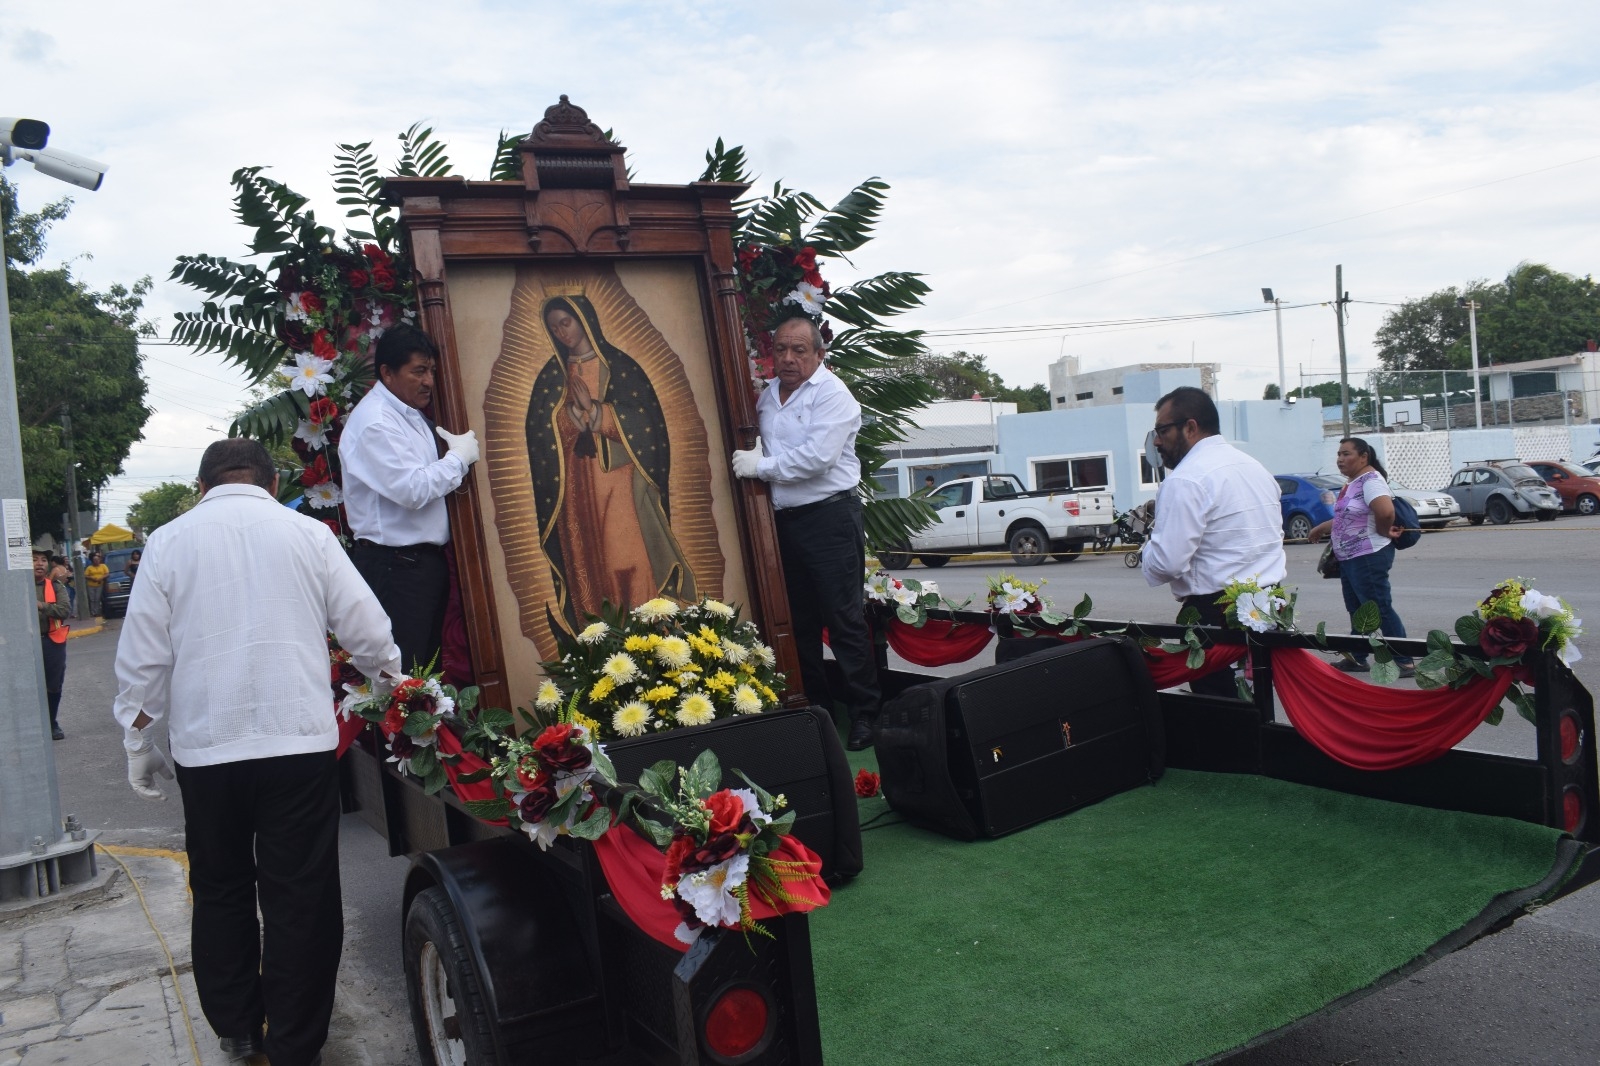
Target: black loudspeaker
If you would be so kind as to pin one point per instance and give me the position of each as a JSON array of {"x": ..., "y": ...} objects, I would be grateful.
[
  {"x": 996, "y": 750},
  {"x": 795, "y": 752}
]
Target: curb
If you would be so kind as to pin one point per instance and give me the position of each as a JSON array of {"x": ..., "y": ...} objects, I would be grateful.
[{"x": 89, "y": 632}]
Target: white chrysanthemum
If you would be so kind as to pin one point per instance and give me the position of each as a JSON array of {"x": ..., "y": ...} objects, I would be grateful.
[
  {"x": 621, "y": 668},
  {"x": 631, "y": 719},
  {"x": 674, "y": 652},
  {"x": 764, "y": 655},
  {"x": 326, "y": 494},
  {"x": 655, "y": 610},
  {"x": 593, "y": 633},
  {"x": 718, "y": 608},
  {"x": 549, "y": 697},
  {"x": 807, "y": 297},
  {"x": 695, "y": 709},
  {"x": 310, "y": 374},
  {"x": 734, "y": 652},
  {"x": 745, "y": 700},
  {"x": 314, "y": 434}
]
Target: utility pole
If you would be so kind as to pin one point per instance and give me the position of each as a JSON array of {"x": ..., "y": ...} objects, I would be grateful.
[
  {"x": 1277, "y": 311},
  {"x": 1472, "y": 327},
  {"x": 1340, "y": 298},
  {"x": 74, "y": 534}
]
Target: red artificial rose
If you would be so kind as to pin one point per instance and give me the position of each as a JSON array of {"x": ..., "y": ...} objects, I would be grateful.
[
  {"x": 294, "y": 335},
  {"x": 727, "y": 811},
  {"x": 748, "y": 255},
  {"x": 323, "y": 410},
  {"x": 374, "y": 253},
  {"x": 559, "y": 750},
  {"x": 538, "y": 799},
  {"x": 677, "y": 851},
  {"x": 867, "y": 783},
  {"x": 311, "y": 303},
  {"x": 322, "y": 346},
  {"x": 401, "y": 746},
  {"x": 1508, "y": 636},
  {"x": 333, "y": 527},
  {"x": 288, "y": 280},
  {"x": 358, "y": 279},
  {"x": 383, "y": 276},
  {"x": 394, "y": 719},
  {"x": 806, "y": 259},
  {"x": 814, "y": 279},
  {"x": 717, "y": 849},
  {"x": 315, "y": 472}
]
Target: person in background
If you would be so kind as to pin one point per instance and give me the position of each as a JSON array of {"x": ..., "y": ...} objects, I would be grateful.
[
  {"x": 50, "y": 595},
  {"x": 809, "y": 421},
  {"x": 94, "y": 576},
  {"x": 226, "y": 638},
  {"x": 61, "y": 570},
  {"x": 1363, "y": 530},
  {"x": 1220, "y": 518},
  {"x": 131, "y": 567},
  {"x": 927, "y": 483}
]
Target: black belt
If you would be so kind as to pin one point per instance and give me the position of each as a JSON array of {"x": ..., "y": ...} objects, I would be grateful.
[
  {"x": 795, "y": 512},
  {"x": 361, "y": 543}
]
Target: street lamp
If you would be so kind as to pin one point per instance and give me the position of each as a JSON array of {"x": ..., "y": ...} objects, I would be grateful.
[
  {"x": 1277, "y": 311},
  {"x": 38, "y": 855},
  {"x": 1472, "y": 327}
]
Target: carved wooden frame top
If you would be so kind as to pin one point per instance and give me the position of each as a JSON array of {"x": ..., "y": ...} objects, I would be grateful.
[{"x": 575, "y": 202}]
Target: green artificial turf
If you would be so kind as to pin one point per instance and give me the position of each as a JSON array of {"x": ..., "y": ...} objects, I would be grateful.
[{"x": 1164, "y": 925}]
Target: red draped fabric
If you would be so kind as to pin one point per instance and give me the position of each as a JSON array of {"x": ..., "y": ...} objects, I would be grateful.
[
  {"x": 939, "y": 642},
  {"x": 1370, "y": 727},
  {"x": 348, "y": 730},
  {"x": 468, "y": 763},
  {"x": 633, "y": 869},
  {"x": 455, "y": 658},
  {"x": 1169, "y": 668}
]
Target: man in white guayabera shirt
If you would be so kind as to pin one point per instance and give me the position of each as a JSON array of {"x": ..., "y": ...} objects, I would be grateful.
[
  {"x": 809, "y": 423},
  {"x": 1217, "y": 516},
  {"x": 226, "y": 638},
  {"x": 395, "y": 482}
]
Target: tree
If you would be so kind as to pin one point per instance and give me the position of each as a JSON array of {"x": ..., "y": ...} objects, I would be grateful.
[
  {"x": 963, "y": 375},
  {"x": 1328, "y": 393},
  {"x": 160, "y": 505},
  {"x": 1535, "y": 313},
  {"x": 1270, "y": 392},
  {"x": 77, "y": 353}
]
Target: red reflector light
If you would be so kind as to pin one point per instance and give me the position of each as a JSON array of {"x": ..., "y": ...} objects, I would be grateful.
[
  {"x": 1572, "y": 809},
  {"x": 1571, "y": 736},
  {"x": 736, "y": 1023},
  {"x": 1071, "y": 506}
]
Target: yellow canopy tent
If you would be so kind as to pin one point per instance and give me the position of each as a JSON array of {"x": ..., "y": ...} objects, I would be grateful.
[{"x": 111, "y": 534}]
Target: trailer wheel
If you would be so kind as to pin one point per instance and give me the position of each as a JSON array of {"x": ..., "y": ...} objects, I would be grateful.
[
  {"x": 447, "y": 1006},
  {"x": 895, "y": 558},
  {"x": 1069, "y": 552},
  {"x": 1028, "y": 546}
]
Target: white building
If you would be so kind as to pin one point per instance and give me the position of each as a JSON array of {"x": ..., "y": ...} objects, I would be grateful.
[{"x": 1069, "y": 388}]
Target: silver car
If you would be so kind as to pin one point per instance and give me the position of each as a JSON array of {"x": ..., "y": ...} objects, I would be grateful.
[
  {"x": 1501, "y": 491},
  {"x": 1435, "y": 508}
]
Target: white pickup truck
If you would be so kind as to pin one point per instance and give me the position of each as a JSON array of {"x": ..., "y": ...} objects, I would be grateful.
[{"x": 995, "y": 512}]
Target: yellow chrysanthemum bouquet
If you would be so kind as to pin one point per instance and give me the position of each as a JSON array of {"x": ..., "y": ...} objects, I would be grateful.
[{"x": 661, "y": 665}]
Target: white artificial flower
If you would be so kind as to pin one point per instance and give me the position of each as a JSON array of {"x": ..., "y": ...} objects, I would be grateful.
[
  {"x": 734, "y": 652},
  {"x": 1539, "y": 605},
  {"x": 807, "y": 297},
  {"x": 904, "y": 596},
  {"x": 549, "y": 697},
  {"x": 695, "y": 709},
  {"x": 631, "y": 719},
  {"x": 752, "y": 806},
  {"x": 593, "y": 633},
  {"x": 296, "y": 309},
  {"x": 674, "y": 652},
  {"x": 745, "y": 700},
  {"x": 710, "y": 891},
  {"x": 621, "y": 668},
  {"x": 310, "y": 374},
  {"x": 326, "y": 494},
  {"x": 655, "y": 610},
  {"x": 1254, "y": 610},
  {"x": 930, "y": 587},
  {"x": 718, "y": 608},
  {"x": 356, "y": 695},
  {"x": 764, "y": 655},
  {"x": 314, "y": 434}
]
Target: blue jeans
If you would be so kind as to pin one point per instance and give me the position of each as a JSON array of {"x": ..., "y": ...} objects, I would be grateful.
[{"x": 1365, "y": 579}]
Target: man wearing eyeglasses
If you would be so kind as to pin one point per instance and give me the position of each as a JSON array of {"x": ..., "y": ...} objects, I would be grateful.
[{"x": 1217, "y": 516}]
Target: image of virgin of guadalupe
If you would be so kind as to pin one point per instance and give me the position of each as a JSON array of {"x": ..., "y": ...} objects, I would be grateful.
[{"x": 600, "y": 459}]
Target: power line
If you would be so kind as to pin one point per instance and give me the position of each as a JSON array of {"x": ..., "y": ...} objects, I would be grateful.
[{"x": 1106, "y": 325}]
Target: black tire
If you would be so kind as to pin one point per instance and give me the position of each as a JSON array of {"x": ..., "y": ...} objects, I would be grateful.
[
  {"x": 1131, "y": 560},
  {"x": 1028, "y": 546},
  {"x": 448, "y": 1010},
  {"x": 1498, "y": 511},
  {"x": 1546, "y": 514},
  {"x": 934, "y": 561},
  {"x": 1587, "y": 504},
  {"x": 1298, "y": 527},
  {"x": 896, "y": 558},
  {"x": 1068, "y": 553},
  {"x": 1475, "y": 519}
]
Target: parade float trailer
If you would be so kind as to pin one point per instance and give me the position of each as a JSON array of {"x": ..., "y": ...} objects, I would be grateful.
[{"x": 1248, "y": 881}]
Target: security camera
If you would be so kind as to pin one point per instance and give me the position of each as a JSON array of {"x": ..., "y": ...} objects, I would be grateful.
[
  {"x": 27, "y": 133},
  {"x": 75, "y": 169}
]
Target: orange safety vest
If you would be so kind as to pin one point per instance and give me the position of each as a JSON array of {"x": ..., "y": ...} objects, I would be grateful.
[{"x": 57, "y": 630}]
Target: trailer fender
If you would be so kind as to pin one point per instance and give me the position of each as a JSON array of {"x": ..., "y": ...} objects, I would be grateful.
[{"x": 518, "y": 925}]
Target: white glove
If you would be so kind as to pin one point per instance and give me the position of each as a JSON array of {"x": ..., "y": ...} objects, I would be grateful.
[
  {"x": 384, "y": 684},
  {"x": 745, "y": 463},
  {"x": 146, "y": 762},
  {"x": 463, "y": 446}
]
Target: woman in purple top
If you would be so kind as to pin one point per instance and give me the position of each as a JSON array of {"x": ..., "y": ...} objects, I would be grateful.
[{"x": 1363, "y": 530}]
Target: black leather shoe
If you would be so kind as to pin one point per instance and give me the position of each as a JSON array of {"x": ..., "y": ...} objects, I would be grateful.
[
  {"x": 860, "y": 735},
  {"x": 56, "y": 733},
  {"x": 243, "y": 1048}
]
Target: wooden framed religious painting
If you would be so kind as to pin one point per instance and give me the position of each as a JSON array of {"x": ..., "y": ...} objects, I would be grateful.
[{"x": 589, "y": 333}]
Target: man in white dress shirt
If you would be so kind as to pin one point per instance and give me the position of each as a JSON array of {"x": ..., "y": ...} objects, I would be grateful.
[
  {"x": 1217, "y": 516},
  {"x": 809, "y": 423},
  {"x": 395, "y": 482},
  {"x": 226, "y": 638}
]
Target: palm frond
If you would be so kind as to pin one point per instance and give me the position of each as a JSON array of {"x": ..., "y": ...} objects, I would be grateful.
[
  {"x": 891, "y": 521},
  {"x": 359, "y": 183},
  {"x": 269, "y": 207},
  {"x": 863, "y": 303},
  {"x": 848, "y": 224},
  {"x": 727, "y": 164},
  {"x": 507, "y": 164},
  {"x": 421, "y": 154},
  {"x": 273, "y": 420}
]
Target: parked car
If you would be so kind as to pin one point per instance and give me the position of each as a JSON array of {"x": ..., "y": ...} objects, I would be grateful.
[
  {"x": 1435, "y": 508},
  {"x": 1578, "y": 488},
  {"x": 1592, "y": 464},
  {"x": 1306, "y": 501},
  {"x": 114, "y": 597},
  {"x": 1030, "y": 525},
  {"x": 1502, "y": 490}
]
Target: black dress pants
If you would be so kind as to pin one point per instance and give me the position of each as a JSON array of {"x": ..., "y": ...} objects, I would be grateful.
[
  {"x": 266, "y": 832},
  {"x": 412, "y": 585},
  {"x": 55, "y": 673},
  {"x": 1220, "y": 683},
  {"x": 824, "y": 550}
]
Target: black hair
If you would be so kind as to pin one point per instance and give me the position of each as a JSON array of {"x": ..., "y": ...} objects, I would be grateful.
[
  {"x": 1364, "y": 450},
  {"x": 1189, "y": 402},
  {"x": 399, "y": 344},
  {"x": 237, "y": 460}
]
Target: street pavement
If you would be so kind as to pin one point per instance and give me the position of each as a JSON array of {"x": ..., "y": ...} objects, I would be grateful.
[{"x": 84, "y": 981}]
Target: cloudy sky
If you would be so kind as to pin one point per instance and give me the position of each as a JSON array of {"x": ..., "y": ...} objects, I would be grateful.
[{"x": 1052, "y": 164}]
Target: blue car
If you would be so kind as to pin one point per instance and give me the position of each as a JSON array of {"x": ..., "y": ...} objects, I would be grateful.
[{"x": 1307, "y": 500}]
